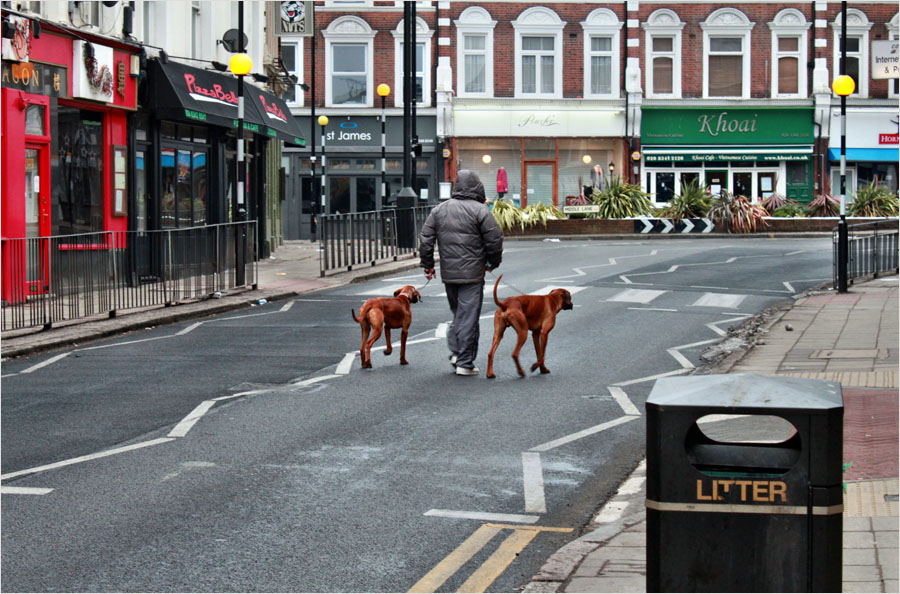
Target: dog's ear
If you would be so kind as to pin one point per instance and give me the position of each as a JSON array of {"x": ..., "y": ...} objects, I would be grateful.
[
  {"x": 567, "y": 300},
  {"x": 416, "y": 296},
  {"x": 398, "y": 291}
]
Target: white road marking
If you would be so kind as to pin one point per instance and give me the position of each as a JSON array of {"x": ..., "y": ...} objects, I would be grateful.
[
  {"x": 584, "y": 433},
  {"x": 441, "y": 330},
  {"x": 636, "y": 296},
  {"x": 580, "y": 271},
  {"x": 315, "y": 300},
  {"x": 488, "y": 290},
  {"x": 24, "y": 491},
  {"x": 789, "y": 287},
  {"x": 720, "y": 300},
  {"x": 346, "y": 364},
  {"x": 546, "y": 290},
  {"x": 714, "y": 325},
  {"x": 632, "y": 486},
  {"x": 483, "y": 516},
  {"x": 188, "y": 329},
  {"x": 651, "y": 309},
  {"x": 182, "y": 428},
  {"x": 714, "y": 288},
  {"x": 652, "y": 377},
  {"x": 286, "y": 306},
  {"x": 622, "y": 399},
  {"x": 49, "y": 361},
  {"x": 682, "y": 360},
  {"x": 80, "y": 459},
  {"x": 611, "y": 512},
  {"x": 533, "y": 479}
]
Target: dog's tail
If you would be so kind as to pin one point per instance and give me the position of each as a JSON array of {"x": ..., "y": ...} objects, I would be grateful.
[
  {"x": 497, "y": 301},
  {"x": 353, "y": 313}
]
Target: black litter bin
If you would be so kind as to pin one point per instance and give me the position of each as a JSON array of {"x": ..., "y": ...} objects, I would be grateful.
[
  {"x": 730, "y": 516},
  {"x": 406, "y": 222}
]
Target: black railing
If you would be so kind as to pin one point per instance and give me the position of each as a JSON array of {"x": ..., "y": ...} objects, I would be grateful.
[
  {"x": 369, "y": 238},
  {"x": 872, "y": 250},
  {"x": 47, "y": 280}
]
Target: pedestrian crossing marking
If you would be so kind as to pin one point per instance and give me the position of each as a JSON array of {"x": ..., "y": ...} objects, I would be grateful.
[
  {"x": 546, "y": 290},
  {"x": 722, "y": 300},
  {"x": 636, "y": 296}
]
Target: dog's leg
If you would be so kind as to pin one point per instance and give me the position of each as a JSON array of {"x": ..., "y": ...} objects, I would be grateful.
[
  {"x": 377, "y": 322},
  {"x": 499, "y": 329},
  {"x": 364, "y": 326},
  {"x": 520, "y": 324},
  {"x": 387, "y": 338},
  {"x": 540, "y": 347},
  {"x": 404, "y": 332}
]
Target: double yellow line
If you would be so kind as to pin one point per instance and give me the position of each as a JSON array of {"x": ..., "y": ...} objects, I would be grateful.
[{"x": 492, "y": 568}]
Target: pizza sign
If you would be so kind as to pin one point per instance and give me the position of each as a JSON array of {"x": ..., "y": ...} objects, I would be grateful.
[{"x": 295, "y": 18}]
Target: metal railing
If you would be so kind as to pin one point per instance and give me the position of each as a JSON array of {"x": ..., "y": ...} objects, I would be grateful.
[
  {"x": 47, "y": 280},
  {"x": 368, "y": 238},
  {"x": 872, "y": 250}
]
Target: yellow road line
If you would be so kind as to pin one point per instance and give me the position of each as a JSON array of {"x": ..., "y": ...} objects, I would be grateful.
[
  {"x": 452, "y": 562},
  {"x": 497, "y": 563},
  {"x": 537, "y": 528}
]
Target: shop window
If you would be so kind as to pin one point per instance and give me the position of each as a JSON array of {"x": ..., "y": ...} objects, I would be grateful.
[
  {"x": 348, "y": 62},
  {"x": 742, "y": 182},
  {"x": 168, "y": 130},
  {"x": 789, "y": 51},
  {"x": 601, "y": 49},
  {"x": 665, "y": 186},
  {"x": 663, "y": 42},
  {"x": 858, "y": 26},
  {"x": 292, "y": 60},
  {"x": 422, "y": 64},
  {"x": 726, "y": 54},
  {"x": 538, "y": 47},
  {"x": 475, "y": 53},
  {"x": 35, "y": 120},
  {"x": 82, "y": 185},
  {"x": 894, "y": 33}
]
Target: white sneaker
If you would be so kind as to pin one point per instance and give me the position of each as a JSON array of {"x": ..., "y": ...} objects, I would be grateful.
[
  {"x": 452, "y": 360},
  {"x": 467, "y": 371}
]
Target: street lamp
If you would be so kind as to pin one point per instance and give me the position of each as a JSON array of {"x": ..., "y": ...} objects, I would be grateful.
[
  {"x": 843, "y": 86},
  {"x": 323, "y": 121},
  {"x": 383, "y": 91},
  {"x": 240, "y": 65}
]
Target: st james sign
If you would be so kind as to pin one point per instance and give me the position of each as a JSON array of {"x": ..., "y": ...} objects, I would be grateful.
[{"x": 295, "y": 18}]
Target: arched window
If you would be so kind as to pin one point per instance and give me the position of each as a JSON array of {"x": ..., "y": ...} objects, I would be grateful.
[
  {"x": 348, "y": 62},
  {"x": 539, "y": 56},
  {"x": 789, "y": 50},
  {"x": 422, "y": 65},
  {"x": 601, "y": 54},
  {"x": 663, "y": 50},
  {"x": 475, "y": 53},
  {"x": 726, "y": 54},
  {"x": 858, "y": 26}
]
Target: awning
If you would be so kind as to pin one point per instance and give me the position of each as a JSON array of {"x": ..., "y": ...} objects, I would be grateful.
[
  {"x": 865, "y": 154},
  {"x": 727, "y": 153},
  {"x": 182, "y": 92}
]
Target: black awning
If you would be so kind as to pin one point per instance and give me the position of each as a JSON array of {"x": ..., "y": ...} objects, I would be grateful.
[
  {"x": 182, "y": 92},
  {"x": 275, "y": 115}
]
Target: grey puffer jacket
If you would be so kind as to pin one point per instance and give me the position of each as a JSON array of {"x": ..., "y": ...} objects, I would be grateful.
[{"x": 466, "y": 232}]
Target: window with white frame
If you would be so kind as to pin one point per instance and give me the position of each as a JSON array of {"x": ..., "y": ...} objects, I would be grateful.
[
  {"x": 538, "y": 47},
  {"x": 196, "y": 29},
  {"x": 789, "y": 51},
  {"x": 422, "y": 64},
  {"x": 893, "y": 26},
  {"x": 475, "y": 53},
  {"x": 348, "y": 62},
  {"x": 726, "y": 54},
  {"x": 292, "y": 60},
  {"x": 662, "y": 39},
  {"x": 601, "y": 51},
  {"x": 858, "y": 26}
]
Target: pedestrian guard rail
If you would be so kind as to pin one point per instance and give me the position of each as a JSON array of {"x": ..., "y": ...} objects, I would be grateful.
[
  {"x": 47, "y": 280},
  {"x": 872, "y": 250},
  {"x": 369, "y": 238}
]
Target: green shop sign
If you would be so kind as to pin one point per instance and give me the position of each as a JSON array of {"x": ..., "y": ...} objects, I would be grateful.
[
  {"x": 723, "y": 125},
  {"x": 713, "y": 156}
]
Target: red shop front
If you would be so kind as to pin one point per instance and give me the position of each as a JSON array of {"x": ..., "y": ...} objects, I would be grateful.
[{"x": 66, "y": 98}]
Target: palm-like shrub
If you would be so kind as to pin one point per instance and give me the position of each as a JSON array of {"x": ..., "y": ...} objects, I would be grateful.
[
  {"x": 507, "y": 215},
  {"x": 824, "y": 205},
  {"x": 873, "y": 200},
  {"x": 693, "y": 202},
  {"x": 789, "y": 210},
  {"x": 621, "y": 200},
  {"x": 736, "y": 213},
  {"x": 540, "y": 213},
  {"x": 776, "y": 201}
]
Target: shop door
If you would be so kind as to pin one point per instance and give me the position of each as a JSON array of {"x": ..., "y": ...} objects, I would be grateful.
[
  {"x": 352, "y": 194},
  {"x": 540, "y": 182},
  {"x": 799, "y": 185},
  {"x": 37, "y": 217},
  {"x": 716, "y": 182}
]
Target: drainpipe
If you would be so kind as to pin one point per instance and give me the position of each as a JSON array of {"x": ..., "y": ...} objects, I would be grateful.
[{"x": 626, "y": 166}]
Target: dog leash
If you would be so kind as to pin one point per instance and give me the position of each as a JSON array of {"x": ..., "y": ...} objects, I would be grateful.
[{"x": 510, "y": 285}]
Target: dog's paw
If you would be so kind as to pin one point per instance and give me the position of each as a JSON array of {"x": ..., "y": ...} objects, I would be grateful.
[
  {"x": 404, "y": 362},
  {"x": 386, "y": 353}
]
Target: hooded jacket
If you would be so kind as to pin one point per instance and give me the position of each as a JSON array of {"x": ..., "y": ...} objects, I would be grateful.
[{"x": 466, "y": 232}]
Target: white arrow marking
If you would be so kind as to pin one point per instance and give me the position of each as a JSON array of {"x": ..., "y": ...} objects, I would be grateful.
[
  {"x": 709, "y": 225},
  {"x": 688, "y": 225},
  {"x": 667, "y": 225},
  {"x": 647, "y": 226}
]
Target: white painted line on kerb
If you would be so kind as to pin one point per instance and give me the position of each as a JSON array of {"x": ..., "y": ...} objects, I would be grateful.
[
  {"x": 622, "y": 399},
  {"x": 533, "y": 479},
  {"x": 483, "y": 516},
  {"x": 632, "y": 486},
  {"x": 611, "y": 512},
  {"x": 186, "y": 423},
  {"x": 346, "y": 364},
  {"x": 24, "y": 491},
  {"x": 49, "y": 361},
  {"x": 80, "y": 459},
  {"x": 584, "y": 433}
]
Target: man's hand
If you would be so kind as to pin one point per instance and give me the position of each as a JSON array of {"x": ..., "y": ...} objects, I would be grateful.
[{"x": 429, "y": 273}]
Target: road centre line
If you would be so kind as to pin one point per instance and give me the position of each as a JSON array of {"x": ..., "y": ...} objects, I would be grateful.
[
  {"x": 86, "y": 458},
  {"x": 533, "y": 480},
  {"x": 583, "y": 433},
  {"x": 484, "y": 516},
  {"x": 24, "y": 491}
]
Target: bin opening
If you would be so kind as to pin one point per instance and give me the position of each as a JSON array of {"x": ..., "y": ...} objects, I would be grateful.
[{"x": 743, "y": 445}]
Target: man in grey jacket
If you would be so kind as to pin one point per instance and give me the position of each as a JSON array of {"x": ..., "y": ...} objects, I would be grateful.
[{"x": 470, "y": 242}]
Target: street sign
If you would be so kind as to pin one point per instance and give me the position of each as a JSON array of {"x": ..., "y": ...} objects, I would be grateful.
[
  {"x": 295, "y": 18},
  {"x": 581, "y": 208},
  {"x": 885, "y": 59}
]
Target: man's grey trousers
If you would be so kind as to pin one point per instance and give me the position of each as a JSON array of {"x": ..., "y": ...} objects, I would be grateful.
[{"x": 462, "y": 337}]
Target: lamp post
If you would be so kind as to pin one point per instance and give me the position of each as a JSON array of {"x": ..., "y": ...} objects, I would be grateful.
[
  {"x": 842, "y": 86},
  {"x": 240, "y": 65},
  {"x": 383, "y": 91},
  {"x": 323, "y": 121}
]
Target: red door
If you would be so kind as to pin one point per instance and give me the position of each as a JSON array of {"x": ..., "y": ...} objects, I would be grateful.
[{"x": 37, "y": 217}]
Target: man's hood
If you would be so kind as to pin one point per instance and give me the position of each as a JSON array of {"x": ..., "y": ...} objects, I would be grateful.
[{"x": 468, "y": 186}]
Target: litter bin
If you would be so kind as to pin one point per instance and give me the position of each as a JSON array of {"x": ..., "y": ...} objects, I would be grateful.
[
  {"x": 727, "y": 515},
  {"x": 406, "y": 222}
]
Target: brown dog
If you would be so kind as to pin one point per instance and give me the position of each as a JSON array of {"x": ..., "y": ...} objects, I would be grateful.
[
  {"x": 527, "y": 312},
  {"x": 387, "y": 313}
]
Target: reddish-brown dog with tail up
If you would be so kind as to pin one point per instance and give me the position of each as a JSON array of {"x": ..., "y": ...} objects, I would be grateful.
[
  {"x": 387, "y": 313},
  {"x": 527, "y": 312}
]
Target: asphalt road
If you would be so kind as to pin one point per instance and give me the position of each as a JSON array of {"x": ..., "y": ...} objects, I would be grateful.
[{"x": 251, "y": 453}]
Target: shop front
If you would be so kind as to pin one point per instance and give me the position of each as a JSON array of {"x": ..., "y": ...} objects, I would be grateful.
[
  {"x": 353, "y": 173},
  {"x": 752, "y": 152},
  {"x": 66, "y": 102},
  {"x": 871, "y": 149},
  {"x": 530, "y": 154}
]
